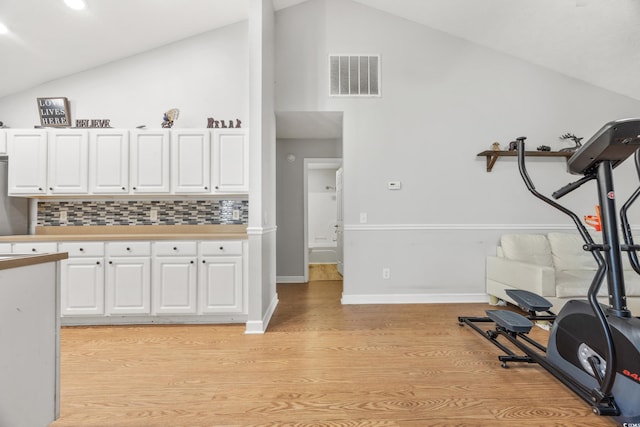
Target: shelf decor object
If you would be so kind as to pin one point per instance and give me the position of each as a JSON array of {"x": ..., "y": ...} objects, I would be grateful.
[
  {"x": 492, "y": 155},
  {"x": 54, "y": 112}
]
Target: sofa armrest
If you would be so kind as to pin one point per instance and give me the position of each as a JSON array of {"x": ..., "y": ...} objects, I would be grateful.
[{"x": 538, "y": 279}]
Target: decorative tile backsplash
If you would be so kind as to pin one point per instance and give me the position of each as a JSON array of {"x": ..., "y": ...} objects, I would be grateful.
[{"x": 168, "y": 212}]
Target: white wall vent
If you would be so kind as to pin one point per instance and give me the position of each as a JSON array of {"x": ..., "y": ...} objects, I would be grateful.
[{"x": 354, "y": 75}]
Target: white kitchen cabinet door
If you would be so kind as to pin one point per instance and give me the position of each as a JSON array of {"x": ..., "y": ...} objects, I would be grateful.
[
  {"x": 128, "y": 285},
  {"x": 27, "y": 150},
  {"x": 230, "y": 161},
  {"x": 190, "y": 161},
  {"x": 174, "y": 285},
  {"x": 150, "y": 161},
  {"x": 68, "y": 161},
  {"x": 220, "y": 282},
  {"x": 3, "y": 141},
  {"x": 82, "y": 286},
  {"x": 109, "y": 161}
]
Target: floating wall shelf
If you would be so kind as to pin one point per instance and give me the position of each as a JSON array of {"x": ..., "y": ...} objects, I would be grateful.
[{"x": 492, "y": 155}]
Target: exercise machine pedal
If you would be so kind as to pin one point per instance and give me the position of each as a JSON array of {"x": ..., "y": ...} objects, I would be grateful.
[
  {"x": 510, "y": 321},
  {"x": 528, "y": 300}
]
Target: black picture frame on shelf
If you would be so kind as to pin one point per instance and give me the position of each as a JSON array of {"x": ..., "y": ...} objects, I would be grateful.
[{"x": 54, "y": 112}]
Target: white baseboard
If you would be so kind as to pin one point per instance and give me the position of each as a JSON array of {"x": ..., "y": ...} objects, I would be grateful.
[
  {"x": 260, "y": 326},
  {"x": 290, "y": 279},
  {"x": 415, "y": 299}
]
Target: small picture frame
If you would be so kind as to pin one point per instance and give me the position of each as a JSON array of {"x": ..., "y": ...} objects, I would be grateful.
[{"x": 54, "y": 112}]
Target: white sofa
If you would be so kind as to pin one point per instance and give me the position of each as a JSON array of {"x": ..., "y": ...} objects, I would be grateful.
[{"x": 554, "y": 266}]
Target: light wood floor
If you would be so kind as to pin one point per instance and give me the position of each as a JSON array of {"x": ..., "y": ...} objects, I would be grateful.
[{"x": 319, "y": 364}]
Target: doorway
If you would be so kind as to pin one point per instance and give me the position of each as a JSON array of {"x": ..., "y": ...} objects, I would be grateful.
[
  {"x": 321, "y": 213},
  {"x": 303, "y": 138}
]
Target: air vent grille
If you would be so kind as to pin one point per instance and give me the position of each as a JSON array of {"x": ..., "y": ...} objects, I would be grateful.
[{"x": 354, "y": 75}]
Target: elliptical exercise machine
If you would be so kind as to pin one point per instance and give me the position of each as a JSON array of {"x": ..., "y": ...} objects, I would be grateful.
[{"x": 593, "y": 349}]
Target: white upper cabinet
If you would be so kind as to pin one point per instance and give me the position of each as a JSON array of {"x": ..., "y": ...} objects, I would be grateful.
[
  {"x": 230, "y": 161},
  {"x": 27, "y": 150},
  {"x": 3, "y": 141},
  {"x": 109, "y": 161},
  {"x": 68, "y": 161},
  {"x": 190, "y": 161},
  {"x": 150, "y": 161}
]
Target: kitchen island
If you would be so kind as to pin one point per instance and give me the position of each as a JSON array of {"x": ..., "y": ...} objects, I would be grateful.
[{"x": 30, "y": 338}]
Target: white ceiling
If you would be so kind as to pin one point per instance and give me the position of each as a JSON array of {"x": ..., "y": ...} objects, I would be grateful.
[{"x": 593, "y": 40}]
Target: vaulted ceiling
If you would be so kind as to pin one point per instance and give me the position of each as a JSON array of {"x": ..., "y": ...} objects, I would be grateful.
[{"x": 592, "y": 40}]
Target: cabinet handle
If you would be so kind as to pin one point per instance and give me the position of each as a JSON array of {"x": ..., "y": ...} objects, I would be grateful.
[
  {"x": 123, "y": 188},
  {"x": 50, "y": 188},
  {"x": 217, "y": 187},
  {"x": 175, "y": 249},
  {"x": 191, "y": 262},
  {"x": 81, "y": 249},
  {"x": 129, "y": 249},
  {"x": 206, "y": 188},
  {"x": 98, "y": 262},
  {"x": 222, "y": 248},
  {"x": 39, "y": 188},
  {"x": 110, "y": 262},
  {"x": 33, "y": 249},
  {"x": 204, "y": 262},
  {"x": 135, "y": 188}
]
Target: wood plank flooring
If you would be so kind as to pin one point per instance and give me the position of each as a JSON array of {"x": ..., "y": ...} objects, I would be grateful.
[
  {"x": 319, "y": 364},
  {"x": 323, "y": 272}
]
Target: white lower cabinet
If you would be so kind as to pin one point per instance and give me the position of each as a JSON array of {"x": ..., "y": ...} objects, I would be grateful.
[
  {"x": 175, "y": 278},
  {"x": 82, "y": 279},
  {"x": 220, "y": 277},
  {"x": 128, "y": 278},
  {"x": 148, "y": 282}
]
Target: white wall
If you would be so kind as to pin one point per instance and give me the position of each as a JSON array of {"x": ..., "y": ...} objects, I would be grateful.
[
  {"x": 203, "y": 76},
  {"x": 263, "y": 298},
  {"x": 443, "y": 100}
]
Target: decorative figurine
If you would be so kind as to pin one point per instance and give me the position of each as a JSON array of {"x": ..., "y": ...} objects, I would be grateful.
[
  {"x": 169, "y": 117},
  {"x": 495, "y": 146},
  {"x": 575, "y": 139},
  {"x": 211, "y": 123},
  {"x": 544, "y": 148}
]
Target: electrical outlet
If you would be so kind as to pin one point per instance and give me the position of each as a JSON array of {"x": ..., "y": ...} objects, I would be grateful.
[
  {"x": 235, "y": 215},
  {"x": 153, "y": 214},
  {"x": 63, "y": 215},
  {"x": 386, "y": 273}
]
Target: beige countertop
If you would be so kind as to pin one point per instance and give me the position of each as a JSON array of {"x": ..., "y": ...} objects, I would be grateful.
[
  {"x": 20, "y": 260},
  {"x": 134, "y": 232}
]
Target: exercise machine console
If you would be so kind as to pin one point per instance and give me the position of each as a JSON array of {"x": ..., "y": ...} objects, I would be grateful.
[{"x": 593, "y": 348}]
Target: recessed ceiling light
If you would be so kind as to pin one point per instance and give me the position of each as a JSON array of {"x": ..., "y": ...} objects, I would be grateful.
[
  {"x": 75, "y": 4},
  {"x": 3, "y": 28}
]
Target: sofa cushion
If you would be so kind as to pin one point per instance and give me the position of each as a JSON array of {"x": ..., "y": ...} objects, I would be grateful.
[
  {"x": 532, "y": 248},
  {"x": 575, "y": 283},
  {"x": 567, "y": 252}
]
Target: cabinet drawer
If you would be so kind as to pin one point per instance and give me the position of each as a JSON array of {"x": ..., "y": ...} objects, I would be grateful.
[
  {"x": 35, "y": 248},
  {"x": 129, "y": 248},
  {"x": 221, "y": 247},
  {"x": 175, "y": 248},
  {"x": 77, "y": 249}
]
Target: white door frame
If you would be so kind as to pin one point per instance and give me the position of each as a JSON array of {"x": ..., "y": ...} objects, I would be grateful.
[{"x": 313, "y": 163}]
